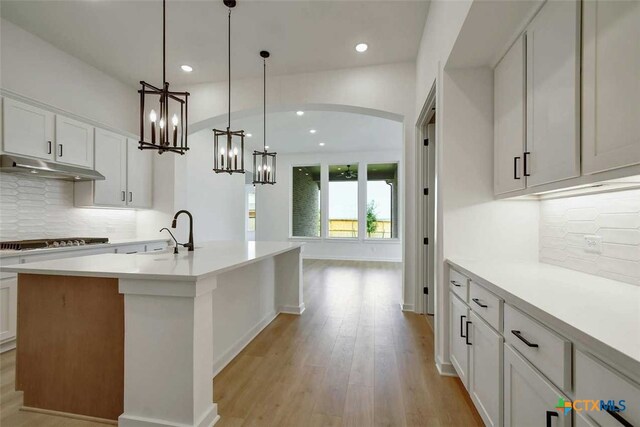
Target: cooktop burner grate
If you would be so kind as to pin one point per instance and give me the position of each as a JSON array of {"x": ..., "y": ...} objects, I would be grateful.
[{"x": 21, "y": 245}]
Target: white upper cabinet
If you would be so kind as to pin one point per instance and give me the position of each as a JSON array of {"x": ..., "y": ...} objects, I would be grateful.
[
  {"x": 110, "y": 161},
  {"x": 509, "y": 120},
  {"x": 611, "y": 85},
  {"x": 553, "y": 93},
  {"x": 74, "y": 142},
  {"x": 139, "y": 176},
  {"x": 28, "y": 130}
]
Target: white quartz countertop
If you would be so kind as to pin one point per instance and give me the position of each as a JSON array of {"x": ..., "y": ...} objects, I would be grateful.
[
  {"x": 208, "y": 259},
  {"x": 8, "y": 253},
  {"x": 588, "y": 306}
]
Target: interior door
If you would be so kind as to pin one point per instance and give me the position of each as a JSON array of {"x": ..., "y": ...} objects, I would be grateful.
[{"x": 428, "y": 225}]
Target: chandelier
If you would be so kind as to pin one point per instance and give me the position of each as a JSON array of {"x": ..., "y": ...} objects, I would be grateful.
[
  {"x": 165, "y": 134},
  {"x": 264, "y": 163},
  {"x": 228, "y": 145}
]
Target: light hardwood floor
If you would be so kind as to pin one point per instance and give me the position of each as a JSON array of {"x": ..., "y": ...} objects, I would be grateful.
[{"x": 353, "y": 359}]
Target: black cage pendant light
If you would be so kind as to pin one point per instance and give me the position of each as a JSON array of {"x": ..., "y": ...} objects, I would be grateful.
[
  {"x": 166, "y": 111},
  {"x": 228, "y": 145},
  {"x": 264, "y": 163}
]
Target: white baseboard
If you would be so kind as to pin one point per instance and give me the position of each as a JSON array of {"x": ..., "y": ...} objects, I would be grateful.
[
  {"x": 350, "y": 258},
  {"x": 445, "y": 369},
  {"x": 222, "y": 361},
  {"x": 6, "y": 346},
  {"x": 407, "y": 307},
  {"x": 292, "y": 309},
  {"x": 208, "y": 419}
]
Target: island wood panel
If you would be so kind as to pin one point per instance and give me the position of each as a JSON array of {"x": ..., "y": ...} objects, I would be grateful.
[{"x": 70, "y": 348}]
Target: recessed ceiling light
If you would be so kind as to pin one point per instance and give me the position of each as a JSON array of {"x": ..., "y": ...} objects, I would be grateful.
[
  {"x": 321, "y": 144},
  {"x": 249, "y": 135},
  {"x": 362, "y": 47},
  {"x": 312, "y": 131},
  {"x": 300, "y": 113},
  {"x": 186, "y": 68}
]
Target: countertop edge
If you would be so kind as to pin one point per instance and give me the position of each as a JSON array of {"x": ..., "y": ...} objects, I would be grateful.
[
  {"x": 111, "y": 244},
  {"x": 602, "y": 350}
]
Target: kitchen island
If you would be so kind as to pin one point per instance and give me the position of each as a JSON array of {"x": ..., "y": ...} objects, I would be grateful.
[{"x": 138, "y": 338}]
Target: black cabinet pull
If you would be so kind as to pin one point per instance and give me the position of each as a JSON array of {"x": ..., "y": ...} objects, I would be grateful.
[
  {"x": 466, "y": 337},
  {"x": 477, "y": 301},
  {"x": 454, "y": 283},
  {"x": 461, "y": 334},
  {"x": 551, "y": 414},
  {"x": 526, "y": 163},
  {"x": 618, "y": 417},
  {"x": 60, "y": 145},
  {"x": 515, "y": 167},
  {"x": 123, "y": 196},
  {"x": 48, "y": 147},
  {"x": 523, "y": 339},
  {"x": 130, "y": 196}
]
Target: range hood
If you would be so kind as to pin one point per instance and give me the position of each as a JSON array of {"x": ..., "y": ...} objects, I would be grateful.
[{"x": 41, "y": 168}]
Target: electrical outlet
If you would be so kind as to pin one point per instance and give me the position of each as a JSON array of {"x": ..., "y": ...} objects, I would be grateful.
[{"x": 593, "y": 244}]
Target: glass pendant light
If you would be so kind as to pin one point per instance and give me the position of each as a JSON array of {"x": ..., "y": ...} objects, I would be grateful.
[
  {"x": 166, "y": 111},
  {"x": 228, "y": 145},
  {"x": 264, "y": 163}
]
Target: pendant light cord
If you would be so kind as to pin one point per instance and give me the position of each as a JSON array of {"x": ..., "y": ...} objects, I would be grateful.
[
  {"x": 229, "y": 63},
  {"x": 264, "y": 105},
  {"x": 164, "y": 45}
]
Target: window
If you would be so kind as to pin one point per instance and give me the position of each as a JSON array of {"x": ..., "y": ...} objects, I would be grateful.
[
  {"x": 305, "y": 203},
  {"x": 343, "y": 201},
  {"x": 382, "y": 201}
]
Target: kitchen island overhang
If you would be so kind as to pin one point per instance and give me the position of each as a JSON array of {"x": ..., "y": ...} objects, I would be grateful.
[{"x": 185, "y": 317}]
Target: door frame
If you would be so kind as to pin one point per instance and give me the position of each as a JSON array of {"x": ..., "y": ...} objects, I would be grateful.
[{"x": 426, "y": 215}]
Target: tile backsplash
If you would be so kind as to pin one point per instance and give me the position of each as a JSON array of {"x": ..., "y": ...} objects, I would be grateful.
[
  {"x": 611, "y": 220},
  {"x": 32, "y": 208}
]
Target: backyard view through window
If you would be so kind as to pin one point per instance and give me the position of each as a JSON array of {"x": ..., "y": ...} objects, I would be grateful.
[
  {"x": 305, "y": 202},
  {"x": 343, "y": 201},
  {"x": 382, "y": 200}
]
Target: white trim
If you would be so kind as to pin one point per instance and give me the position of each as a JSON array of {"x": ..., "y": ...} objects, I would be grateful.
[
  {"x": 407, "y": 307},
  {"x": 351, "y": 258},
  {"x": 208, "y": 419},
  {"x": 292, "y": 309},
  {"x": 8, "y": 345},
  {"x": 446, "y": 369},
  {"x": 222, "y": 361}
]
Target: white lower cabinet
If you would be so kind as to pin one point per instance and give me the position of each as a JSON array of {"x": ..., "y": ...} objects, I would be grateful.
[
  {"x": 529, "y": 398},
  {"x": 485, "y": 370},
  {"x": 8, "y": 310},
  {"x": 458, "y": 347}
]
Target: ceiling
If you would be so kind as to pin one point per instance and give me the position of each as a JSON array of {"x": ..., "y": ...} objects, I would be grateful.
[
  {"x": 339, "y": 131},
  {"x": 124, "y": 38}
]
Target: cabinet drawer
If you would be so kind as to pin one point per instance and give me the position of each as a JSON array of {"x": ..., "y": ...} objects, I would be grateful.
[
  {"x": 546, "y": 350},
  {"x": 487, "y": 305},
  {"x": 459, "y": 284},
  {"x": 130, "y": 249},
  {"x": 596, "y": 381},
  {"x": 156, "y": 246}
]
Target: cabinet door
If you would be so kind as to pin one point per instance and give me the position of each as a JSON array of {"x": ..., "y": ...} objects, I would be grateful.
[
  {"x": 110, "y": 161},
  {"x": 529, "y": 399},
  {"x": 485, "y": 371},
  {"x": 458, "y": 348},
  {"x": 74, "y": 142},
  {"x": 610, "y": 85},
  {"x": 28, "y": 130},
  {"x": 139, "y": 176},
  {"x": 553, "y": 93},
  {"x": 8, "y": 308},
  {"x": 509, "y": 120}
]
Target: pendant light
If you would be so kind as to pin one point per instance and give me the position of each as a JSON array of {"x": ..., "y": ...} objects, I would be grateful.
[
  {"x": 166, "y": 111},
  {"x": 228, "y": 145},
  {"x": 264, "y": 163}
]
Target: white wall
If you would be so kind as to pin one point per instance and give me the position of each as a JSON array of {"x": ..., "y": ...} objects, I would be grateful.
[
  {"x": 31, "y": 67},
  {"x": 389, "y": 88},
  {"x": 273, "y": 207}
]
